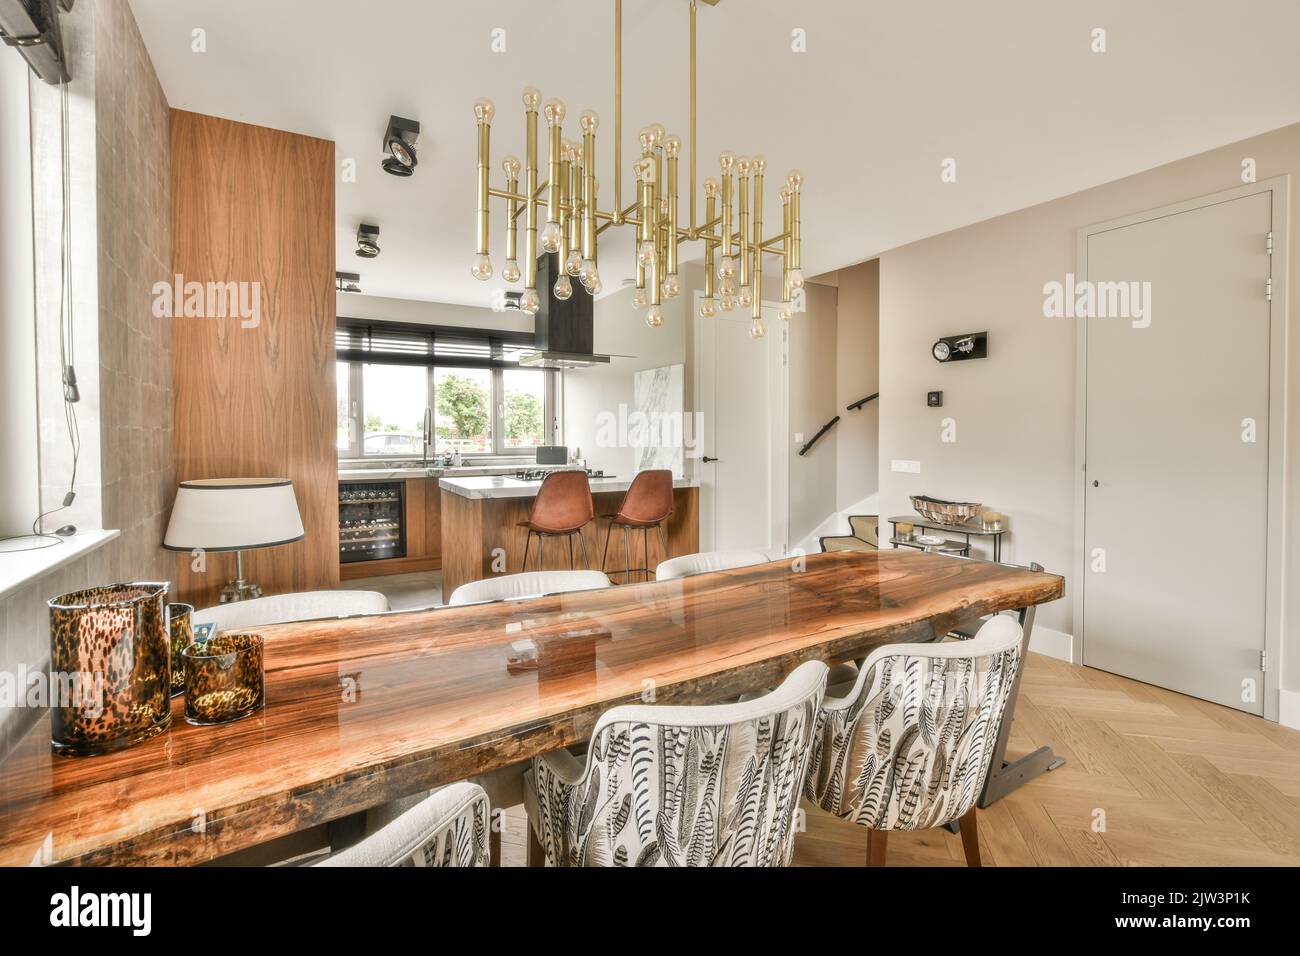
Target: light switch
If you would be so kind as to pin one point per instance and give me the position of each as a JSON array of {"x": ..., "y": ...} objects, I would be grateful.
[
  {"x": 798, "y": 438},
  {"x": 908, "y": 467}
]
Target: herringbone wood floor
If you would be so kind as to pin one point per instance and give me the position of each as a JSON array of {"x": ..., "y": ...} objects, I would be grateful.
[{"x": 1152, "y": 778}]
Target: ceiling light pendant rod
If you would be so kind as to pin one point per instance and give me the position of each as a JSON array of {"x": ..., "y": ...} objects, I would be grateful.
[
  {"x": 618, "y": 111},
  {"x": 694, "y": 233}
]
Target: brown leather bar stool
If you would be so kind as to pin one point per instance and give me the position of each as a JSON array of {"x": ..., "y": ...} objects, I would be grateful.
[
  {"x": 647, "y": 504},
  {"x": 563, "y": 506}
]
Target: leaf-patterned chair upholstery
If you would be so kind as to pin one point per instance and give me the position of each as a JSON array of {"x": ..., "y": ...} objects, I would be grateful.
[
  {"x": 447, "y": 828},
  {"x": 909, "y": 747},
  {"x": 681, "y": 786}
]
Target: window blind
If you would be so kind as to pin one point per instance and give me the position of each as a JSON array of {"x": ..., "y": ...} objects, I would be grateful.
[{"x": 404, "y": 343}]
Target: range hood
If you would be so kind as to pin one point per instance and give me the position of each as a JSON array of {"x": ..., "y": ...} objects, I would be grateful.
[{"x": 564, "y": 334}]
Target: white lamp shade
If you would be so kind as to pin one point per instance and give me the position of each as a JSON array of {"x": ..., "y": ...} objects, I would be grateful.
[{"x": 231, "y": 514}]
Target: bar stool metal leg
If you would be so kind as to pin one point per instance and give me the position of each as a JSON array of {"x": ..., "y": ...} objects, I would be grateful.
[
  {"x": 609, "y": 533},
  {"x": 627, "y": 555},
  {"x": 663, "y": 540},
  {"x": 645, "y": 547},
  {"x": 582, "y": 540},
  {"x": 528, "y": 546}
]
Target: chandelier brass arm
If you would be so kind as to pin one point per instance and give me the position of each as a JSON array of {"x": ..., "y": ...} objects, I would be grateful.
[{"x": 732, "y": 231}]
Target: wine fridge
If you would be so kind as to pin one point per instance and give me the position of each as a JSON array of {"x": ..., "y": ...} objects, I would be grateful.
[{"x": 372, "y": 521}]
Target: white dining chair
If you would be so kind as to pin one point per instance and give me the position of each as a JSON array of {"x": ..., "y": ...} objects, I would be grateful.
[
  {"x": 446, "y": 828},
  {"x": 909, "y": 744},
  {"x": 706, "y": 561},
  {"x": 513, "y": 587},
  {"x": 680, "y": 786},
  {"x": 285, "y": 608}
]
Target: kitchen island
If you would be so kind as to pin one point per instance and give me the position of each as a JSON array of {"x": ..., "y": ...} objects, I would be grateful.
[{"x": 481, "y": 536}]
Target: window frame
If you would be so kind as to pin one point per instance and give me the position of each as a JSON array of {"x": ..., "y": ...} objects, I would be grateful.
[{"x": 355, "y": 450}]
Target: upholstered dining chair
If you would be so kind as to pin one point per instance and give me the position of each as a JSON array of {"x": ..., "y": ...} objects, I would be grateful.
[
  {"x": 285, "y": 608},
  {"x": 446, "y": 828},
  {"x": 512, "y": 587},
  {"x": 706, "y": 561},
  {"x": 908, "y": 745},
  {"x": 680, "y": 786}
]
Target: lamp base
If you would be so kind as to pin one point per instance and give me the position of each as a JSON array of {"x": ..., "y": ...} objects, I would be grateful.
[{"x": 239, "y": 590}]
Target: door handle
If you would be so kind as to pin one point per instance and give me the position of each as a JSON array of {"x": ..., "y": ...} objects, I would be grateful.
[{"x": 706, "y": 459}]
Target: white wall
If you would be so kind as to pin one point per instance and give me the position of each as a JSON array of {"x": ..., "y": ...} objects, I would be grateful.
[
  {"x": 18, "y": 431},
  {"x": 813, "y": 402},
  {"x": 620, "y": 331},
  {"x": 1015, "y": 411},
  {"x": 857, "y": 374}
]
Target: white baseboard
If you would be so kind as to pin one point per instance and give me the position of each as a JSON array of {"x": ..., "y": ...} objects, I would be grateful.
[
  {"x": 1288, "y": 708},
  {"x": 1053, "y": 643}
]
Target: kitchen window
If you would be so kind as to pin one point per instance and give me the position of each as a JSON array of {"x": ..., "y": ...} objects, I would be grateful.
[{"x": 462, "y": 387}]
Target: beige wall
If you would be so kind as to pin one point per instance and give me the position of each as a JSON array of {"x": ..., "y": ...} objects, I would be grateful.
[
  {"x": 122, "y": 225},
  {"x": 813, "y": 402},
  {"x": 1015, "y": 411},
  {"x": 857, "y": 374}
]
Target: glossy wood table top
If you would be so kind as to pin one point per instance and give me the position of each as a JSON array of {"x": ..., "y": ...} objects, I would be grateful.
[{"x": 363, "y": 710}]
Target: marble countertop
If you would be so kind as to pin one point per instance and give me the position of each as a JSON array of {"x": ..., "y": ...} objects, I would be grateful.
[{"x": 505, "y": 486}]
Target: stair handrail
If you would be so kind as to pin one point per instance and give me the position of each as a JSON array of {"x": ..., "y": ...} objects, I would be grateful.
[
  {"x": 861, "y": 401},
  {"x": 822, "y": 431}
]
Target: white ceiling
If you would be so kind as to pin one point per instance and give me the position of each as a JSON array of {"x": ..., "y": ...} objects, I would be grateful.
[{"x": 885, "y": 92}]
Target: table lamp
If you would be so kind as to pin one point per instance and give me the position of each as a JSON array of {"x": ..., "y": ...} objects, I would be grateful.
[{"x": 234, "y": 514}]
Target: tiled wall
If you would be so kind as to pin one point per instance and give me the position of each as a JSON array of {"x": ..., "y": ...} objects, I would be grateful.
[{"x": 127, "y": 409}]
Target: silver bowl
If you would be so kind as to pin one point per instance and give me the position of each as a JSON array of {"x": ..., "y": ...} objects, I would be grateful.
[{"x": 945, "y": 512}]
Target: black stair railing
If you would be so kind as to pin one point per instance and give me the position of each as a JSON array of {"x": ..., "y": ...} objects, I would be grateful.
[
  {"x": 822, "y": 431},
  {"x": 861, "y": 401}
]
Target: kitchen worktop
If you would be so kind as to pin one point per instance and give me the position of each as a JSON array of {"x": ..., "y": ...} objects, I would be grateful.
[
  {"x": 401, "y": 472},
  {"x": 507, "y": 486}
]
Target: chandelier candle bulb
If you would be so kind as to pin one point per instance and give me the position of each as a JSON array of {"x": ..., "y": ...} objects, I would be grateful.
[
  {"x": 742, "y": 169},
  {"x": 757, "y": 166},
  {"x": 551, "y": 234},
  {"x": 785, "y": 252},
  {"x": 531, "y": 97},
  {"x": 483, "y": 111},
  {"x": 510, "y": 272},
  {"x": 796, "y": 272}
]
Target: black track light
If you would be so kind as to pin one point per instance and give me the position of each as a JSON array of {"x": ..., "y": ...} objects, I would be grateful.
[
  {"x": 399, "y": 143},
  {"x": 367, "y": 241}
]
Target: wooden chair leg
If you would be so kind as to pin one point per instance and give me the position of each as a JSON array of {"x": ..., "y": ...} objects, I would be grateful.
[
  {"x": 970, "y": 838},
  {"x": 536, "y": 855},
  {"x": 877, "y": 841}
]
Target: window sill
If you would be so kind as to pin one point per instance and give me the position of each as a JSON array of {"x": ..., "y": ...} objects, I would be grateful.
[{"x": 20, "y": 568}]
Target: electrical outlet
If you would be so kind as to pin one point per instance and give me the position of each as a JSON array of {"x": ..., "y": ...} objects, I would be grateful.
[{"x": 905, "y": 466}]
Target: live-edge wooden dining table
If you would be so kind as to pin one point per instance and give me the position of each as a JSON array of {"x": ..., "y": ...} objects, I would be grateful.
[{"x": 363, "y": 710}]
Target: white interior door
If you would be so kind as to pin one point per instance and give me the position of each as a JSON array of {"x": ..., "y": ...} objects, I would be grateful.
[
  {"x": 740, "y": 390},
  {"x": 1177, "y": 454}
]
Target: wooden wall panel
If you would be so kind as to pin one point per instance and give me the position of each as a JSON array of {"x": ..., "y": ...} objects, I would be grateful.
[{"x": 251, "y": 204}]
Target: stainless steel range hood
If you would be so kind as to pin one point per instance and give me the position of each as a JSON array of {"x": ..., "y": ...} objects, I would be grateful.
[{"x": 564, "y": 332}]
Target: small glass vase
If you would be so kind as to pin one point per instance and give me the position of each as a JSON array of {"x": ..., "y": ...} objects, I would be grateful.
[
  {"x": 181, "y": 632},
  {"x": 111, "y": 664},
  {"x": 224, "y": 680}
]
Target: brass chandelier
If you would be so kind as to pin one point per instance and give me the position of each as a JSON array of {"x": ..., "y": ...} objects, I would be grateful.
[{"x": 732, "y": 230}]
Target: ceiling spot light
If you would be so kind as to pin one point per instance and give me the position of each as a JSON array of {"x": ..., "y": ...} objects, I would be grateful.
[
  {"x": 368, "y": 241},
  {"x": 399, "y": 143}
]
